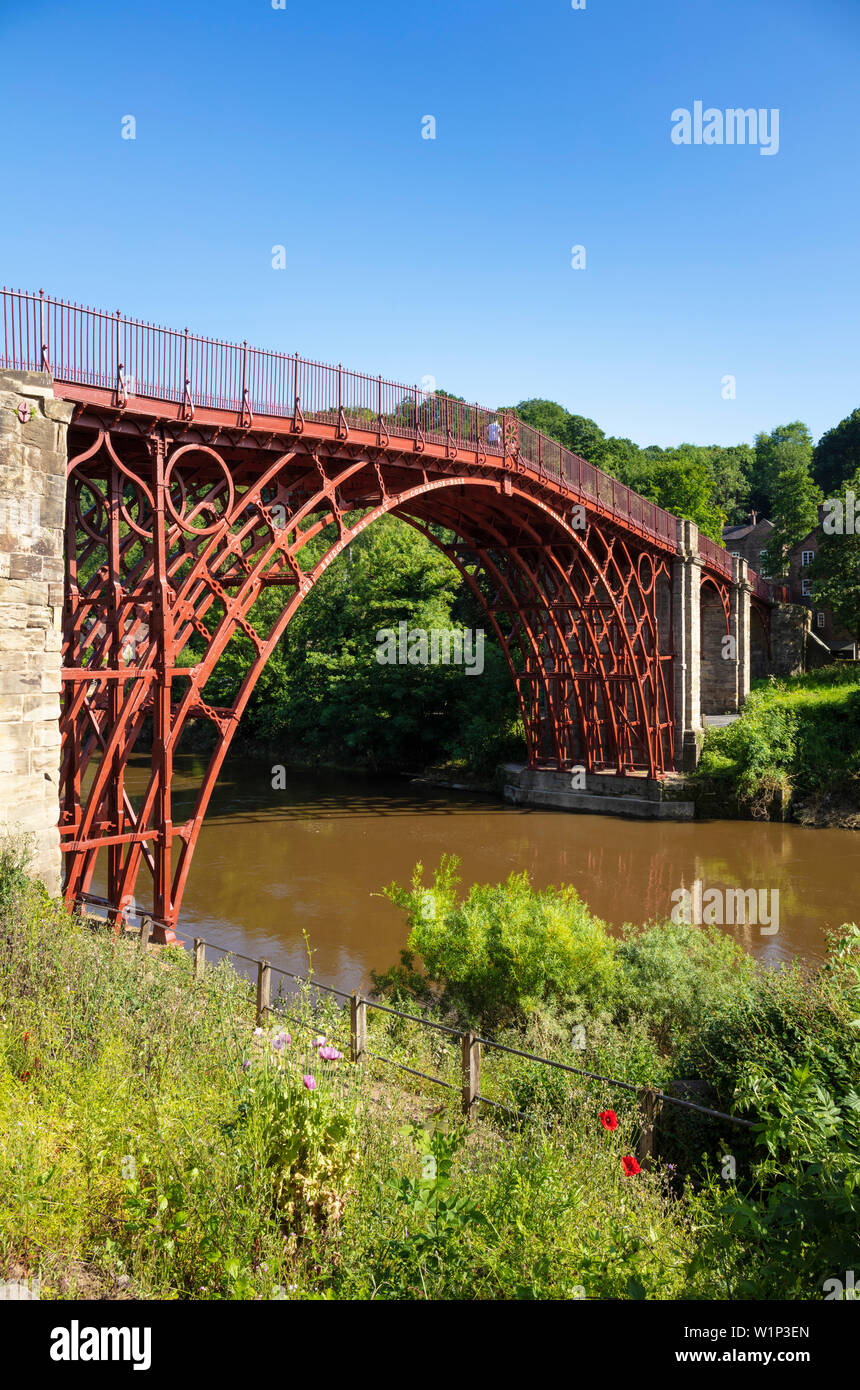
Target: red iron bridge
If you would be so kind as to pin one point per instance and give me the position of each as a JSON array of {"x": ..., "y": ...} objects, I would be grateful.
[{"x": 203, "y": 473}]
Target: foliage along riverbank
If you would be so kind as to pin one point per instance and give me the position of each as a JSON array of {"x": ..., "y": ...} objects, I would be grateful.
[
  {"x": 154, "y": 1144},
  {"x": 794, "y": 753}
]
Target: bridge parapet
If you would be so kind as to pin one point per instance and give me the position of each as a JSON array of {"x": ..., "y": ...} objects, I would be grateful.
[
  {"x": 144, "y": 364},
  {"x": 140, "y": 363}
]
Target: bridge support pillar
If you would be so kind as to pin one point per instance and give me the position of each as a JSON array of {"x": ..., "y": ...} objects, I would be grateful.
[
  {"x": 725, "y": 655},
  {"x": 33, "y": 430},
  {"x": 687, "y": 638},
  {"x": 741, "y": 627}
]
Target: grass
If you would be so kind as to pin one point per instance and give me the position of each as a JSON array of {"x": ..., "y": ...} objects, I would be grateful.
[
  {"x": 155, "y": 1144},
  {"x": 137, "y": 1113},
  {"x": 797, "y": 741}
]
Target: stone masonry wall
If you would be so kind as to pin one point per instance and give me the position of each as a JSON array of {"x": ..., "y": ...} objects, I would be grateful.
[
  {"x": 33, "y": 429},
  {"x": 790, "y": 624},
  {"x": 718, "y": 674}
]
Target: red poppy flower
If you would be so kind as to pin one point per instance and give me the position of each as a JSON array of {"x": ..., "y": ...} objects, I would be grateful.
[
  {"x": 630, "y": 1166},
  {"x": 609, "y": 1119}
]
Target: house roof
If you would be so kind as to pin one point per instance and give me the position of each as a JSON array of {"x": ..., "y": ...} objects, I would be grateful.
[
  {"x": 737, "y": 533},
  {"x": 803, "y": 543}
]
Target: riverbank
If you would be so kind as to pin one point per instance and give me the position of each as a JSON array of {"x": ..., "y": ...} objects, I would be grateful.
[
  {"x": 793, "y": 754},
  {"x": 306, "y": 1177}
]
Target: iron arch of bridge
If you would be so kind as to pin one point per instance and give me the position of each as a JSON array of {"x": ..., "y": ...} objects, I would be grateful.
[{"x": 169, "y": 537}]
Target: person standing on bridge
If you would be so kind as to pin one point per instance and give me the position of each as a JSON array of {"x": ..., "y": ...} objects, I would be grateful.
[{"x": 494, "y": 433}]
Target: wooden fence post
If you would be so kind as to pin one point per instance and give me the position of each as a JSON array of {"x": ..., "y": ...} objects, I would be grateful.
[
  {"x": 650, "y": 1105},
  {"x": 145, "y": 932},
  {"x": 471, "y": 1062},
  {"x": 199, "y": 957},
  {"x": 357, "y": 1027},
  {"x": 264, "y": 985}
]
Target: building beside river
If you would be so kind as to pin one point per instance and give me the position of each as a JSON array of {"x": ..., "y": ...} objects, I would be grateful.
[{"x": 747, "y": 540}]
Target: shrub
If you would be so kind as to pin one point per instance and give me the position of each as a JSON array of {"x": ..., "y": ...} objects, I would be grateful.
[
  {"x": 507, "y": 948},
  {"x": 758, "y": 751},
  {"x": 795, "y": 736},
  {"x": 788, "y": 1017},
  {"x": 675, "y": 974},
  {"x": 785, "y": 1019},
  {"x": 792, "y": 1224},
  {"x": 16, "y": 853}
]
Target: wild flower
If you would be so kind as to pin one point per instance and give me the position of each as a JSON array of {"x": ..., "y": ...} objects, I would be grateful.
[
  {"x": 630, "y": 1166},
  {"x": 608, "y": 1119},
  {"x": 310, "y": 1082}
]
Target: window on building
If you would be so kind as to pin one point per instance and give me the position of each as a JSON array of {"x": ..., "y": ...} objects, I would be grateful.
[
  {"x": 819, "y": 618},
  {"x": 807, "y": 557},
  {"x": 762, "y": 567},
  {"x": 736, "y": 554},
  {"x": 806, "y": 588}
]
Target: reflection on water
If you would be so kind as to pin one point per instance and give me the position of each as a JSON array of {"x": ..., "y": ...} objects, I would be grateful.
[{"x": 272, "y": 865}]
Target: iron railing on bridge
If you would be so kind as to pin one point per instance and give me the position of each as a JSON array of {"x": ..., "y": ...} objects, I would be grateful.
[
  {"x": 90, "y": 347},
  {"x": 716, "y": 556}
]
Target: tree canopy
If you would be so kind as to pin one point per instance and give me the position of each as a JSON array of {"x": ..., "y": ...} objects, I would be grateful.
[
  {"x": 837, "y": 454},
  {"x": 835, "y": 571}
]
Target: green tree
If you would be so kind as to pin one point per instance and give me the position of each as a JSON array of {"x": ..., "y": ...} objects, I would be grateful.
[
  {"x": 681, "y": 481},
  {"x": 835, "y": 571},
  {"x": 576, "y": 432},
  {"x": 547, "y": 416},
  {"x": 731, "y": 468},
  {"x": 585, "y": 438},
  {"x": 837, "y": 454},
  {"x": 783, "y": 447},
  {"x": 794, "y": 506},
  {"x": 324, "y": 694},
  {"x": 620, "y": 457}
]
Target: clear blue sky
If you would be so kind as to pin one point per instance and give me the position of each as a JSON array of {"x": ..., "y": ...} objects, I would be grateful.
[{"x": 451, "y": 257}]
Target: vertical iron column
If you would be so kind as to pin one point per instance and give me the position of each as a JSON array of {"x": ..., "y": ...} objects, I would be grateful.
[
  {"x": 114, "y": 692},
  {"x": 162, "y": 747}
]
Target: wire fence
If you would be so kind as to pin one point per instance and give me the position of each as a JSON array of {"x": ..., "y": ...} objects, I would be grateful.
[{"x": 472, "y": 1045}]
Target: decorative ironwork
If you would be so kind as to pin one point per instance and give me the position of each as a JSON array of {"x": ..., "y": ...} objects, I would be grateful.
[{"x": 227, "y": 473}]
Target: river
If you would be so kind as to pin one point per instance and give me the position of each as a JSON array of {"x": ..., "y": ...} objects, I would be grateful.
[{"x": 271, "y": 865}]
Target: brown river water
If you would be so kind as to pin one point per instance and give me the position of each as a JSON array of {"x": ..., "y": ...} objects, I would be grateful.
[{"x": 271, "y": 865}]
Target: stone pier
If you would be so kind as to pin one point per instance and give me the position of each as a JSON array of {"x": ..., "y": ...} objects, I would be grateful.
[
  {"x": 686, "y": 634},
  {"x": 33, "y": 429},
  {"x": 713, "y": 656}
]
